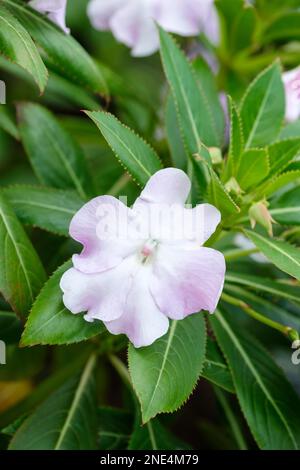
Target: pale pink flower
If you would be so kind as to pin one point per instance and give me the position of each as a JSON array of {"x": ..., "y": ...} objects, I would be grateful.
[
  {"x": 291, "y": 80},
  {"x": 140, "y": 266},
  {"x": 133, "y": 21},
  {"x": 54, "y": 9}
]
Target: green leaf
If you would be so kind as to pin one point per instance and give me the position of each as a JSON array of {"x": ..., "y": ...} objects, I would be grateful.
[
  {"x": 115, "y": 427},
  {"x": 236, "y": 143},
  {"x": 10, "y": 327},
  {"x": 285, "y": 256},
  {"x": 282, "y": 153},
  {"x": 22, "y": 274},
  {"x": 219, "y": 196},
  {"x": 273, "y": 185},
  {"x": 175, "y": 360},
  {"x": 7, "y": 122},
  {"x": 51, "y": 322},
  {"x": 63, "y": 52},
  {"x": 215, "y": 368},
  {"x": 268, "y": 401},
  {"x": 262, "y": 108},
  {"x": 173, "y": 135},
  {"x": 285, "y": 27},
  {"x": 194, "y": 112},
  {"x": 131, "y": 150},
  {"x": 48, "y": 209},
  {"x": 17, "y": 46},
  {"x": 55, "y": 157},
  {"x": 286, "y": 209},
  {"x": 67, "y": 420},
  {"x": 208, "y": 86},
  {"x": 275, "y": 288},
  {"x": 154, "y": 436},
  {"x": 253, "y": 168},
  {"x": 242, "y": 29},
  {"x": 290, "y": 130}
]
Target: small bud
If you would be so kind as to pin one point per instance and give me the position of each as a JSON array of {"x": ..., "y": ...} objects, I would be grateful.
[
  {"x": 259, "y": 213},
  {"x": 233, "y": 186},
  {"x": 216, "y": 155}
]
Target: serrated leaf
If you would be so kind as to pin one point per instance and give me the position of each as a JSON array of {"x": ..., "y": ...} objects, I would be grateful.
[
  {"x": 262, "y": 108},
  {"x": 282, "y": 153},
  {"x": 67, "y": 420},
  {"x": 219, "y": 196},
  {"x": 194, "y": 113},
  {"x": 173, "y": 135},
  {"x": 268, "y": 401},
  {"x": 55, "y": 157},
  {"x": 165, "y": 373},
  {"x": 285, "y": 256},
  {"x": 51, "y": 322},
  {"x": 236, "y": 143},
  {"x": 253, "y": 168},
  {"x": 215, "y": 368},
  {"x": 286, "y": 209},
  {"x": 274, "y": 184},
  {"x": 63, "y": 52},
  {"x": 46, "y": 208},
  {"x": 17, "y": 46},
  {"x": 261, "y": 284},
  {"x": 22, "y": 274},
  {"x": 132, "y": 151}
]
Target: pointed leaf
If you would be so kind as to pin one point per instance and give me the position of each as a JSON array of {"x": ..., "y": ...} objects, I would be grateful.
[
  {"x": 175, "y": 360},
  {"x": 67, "y": 420},
  {"x": 51, "y": 323},
  {"x": 131, "y": 150},
  {"x": 285, "y": 256},
  {"x": 17, "y": 46},
  {"x": 22, "y": 274},
  {"x": 286, "y": 209},
  {"x": 253, "y": 168},
  {"x": 262, "y": 108},
  {"x": 215, "y": 368},
  {"x": 236, "y": 143},
  {"x": 268, "y": 401},
  {"x": 282, "y": 153}
]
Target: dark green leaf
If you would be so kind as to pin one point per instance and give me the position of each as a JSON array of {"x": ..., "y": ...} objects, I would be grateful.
[
  {"x": 282, "y": 153},
  {"x": 10, "y": 327},
  {"x": 286, "y": 209},
  {"x": 115, "y": 427},
  {"x": 215, "y": 368}
]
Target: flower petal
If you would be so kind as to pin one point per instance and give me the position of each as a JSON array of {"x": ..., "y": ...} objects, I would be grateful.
[
  {"x": 167, "y": 186},
  {"x": 187, "y": 279},
  {"x": 54, "y": 9},
  {"x": 142, "y": 321},
  {"x": 291, "y": 80},
  {"x": 179, "y": 16},
  {"x": 105, "y": 228},
  {"x": 133, "y": 25},
  {"x": 103, "y": 296},
  {"x": 100, "y": 12}
]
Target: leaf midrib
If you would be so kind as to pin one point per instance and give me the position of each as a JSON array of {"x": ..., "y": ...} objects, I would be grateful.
[{"x": 256, "y": 376}]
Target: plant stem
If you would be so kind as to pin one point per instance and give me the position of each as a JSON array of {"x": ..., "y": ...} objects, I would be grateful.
[
  {"x": 286, "y": 330},
  {"x": 236, "y": 254}
]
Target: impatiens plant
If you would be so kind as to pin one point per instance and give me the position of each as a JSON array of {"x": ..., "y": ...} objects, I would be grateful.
[{"x": 150, "y": 225}]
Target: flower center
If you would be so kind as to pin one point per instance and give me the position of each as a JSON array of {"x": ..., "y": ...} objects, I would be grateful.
[{"x": 148, "y": 249}]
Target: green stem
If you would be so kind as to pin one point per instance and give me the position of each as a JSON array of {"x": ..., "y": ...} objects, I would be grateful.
[
  {"x": 286, "y": 330},
  {"x": 231, "y": 255}
]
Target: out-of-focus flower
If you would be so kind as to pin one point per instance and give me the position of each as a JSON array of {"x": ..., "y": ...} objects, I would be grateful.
[
  {"x": 143, "y": 265},
  {"x": 54, "y": 9},
  {"x": 133, "y": 21},
  {"x": 291, "y": 82}
]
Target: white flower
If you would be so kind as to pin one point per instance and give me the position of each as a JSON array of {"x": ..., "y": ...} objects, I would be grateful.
[
  {"x": 141, "y": 266},
  {"x": 291, "y": 82},
  {"x": 131, "y": 21},
  {"x": 54, "y": 9}
]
